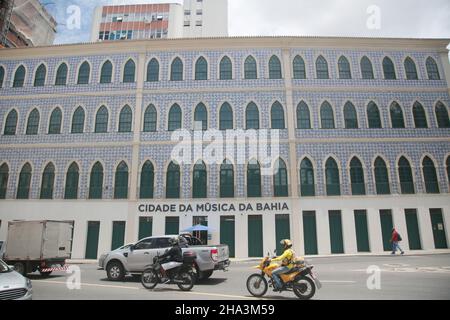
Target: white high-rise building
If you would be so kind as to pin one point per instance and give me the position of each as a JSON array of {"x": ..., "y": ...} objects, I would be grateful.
[{"x": 205, "y": 18}]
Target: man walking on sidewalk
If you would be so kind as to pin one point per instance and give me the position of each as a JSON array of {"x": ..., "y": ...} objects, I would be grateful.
[{"x": 395, "y": 239}]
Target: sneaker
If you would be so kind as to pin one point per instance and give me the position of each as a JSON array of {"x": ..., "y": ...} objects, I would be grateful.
[{"x": 392, "y": 252}]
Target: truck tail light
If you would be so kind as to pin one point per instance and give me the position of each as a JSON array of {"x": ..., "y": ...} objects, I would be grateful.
[{"x": 214, "y": 254}]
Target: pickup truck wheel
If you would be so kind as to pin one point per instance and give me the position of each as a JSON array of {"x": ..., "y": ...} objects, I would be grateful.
[
  {"x": 19, "y": 267},
  {"x": 115, "y": 271},
  {"x": 45, "y": 274}
]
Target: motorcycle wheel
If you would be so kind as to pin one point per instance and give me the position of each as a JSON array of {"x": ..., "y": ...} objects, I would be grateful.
[
  {"x": 149, "y": 278},
  {"x": 304, "y": 288},
  {"x": 257, "y": 285},
  {"x": 188, "y": 281}
]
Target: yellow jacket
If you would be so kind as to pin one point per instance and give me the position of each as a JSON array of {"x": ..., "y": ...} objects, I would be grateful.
[{"x": 287, "y": 258}]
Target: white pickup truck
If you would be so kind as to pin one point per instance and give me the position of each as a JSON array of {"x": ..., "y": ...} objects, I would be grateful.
[{"x": 133, "y": 258}]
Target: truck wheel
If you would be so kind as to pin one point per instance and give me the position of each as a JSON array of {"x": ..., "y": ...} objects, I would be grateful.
[
  {"x": 19, "y": 267},
  {"x": 115, "y": 271},
  {"x": 45, "y": 274}
]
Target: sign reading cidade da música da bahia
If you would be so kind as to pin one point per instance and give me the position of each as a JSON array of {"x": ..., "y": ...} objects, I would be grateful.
[{"x": 211, "y": 207}]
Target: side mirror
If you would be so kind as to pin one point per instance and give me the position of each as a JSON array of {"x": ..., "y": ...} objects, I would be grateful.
[
  {"x": 12, "y": 268},
  {"x": 132, "y": 248}
]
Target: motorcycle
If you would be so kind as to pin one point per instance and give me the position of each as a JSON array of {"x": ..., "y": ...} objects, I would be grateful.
[
  {"x": 300, "y": 279},
  {"x": 180, "y": 273}
]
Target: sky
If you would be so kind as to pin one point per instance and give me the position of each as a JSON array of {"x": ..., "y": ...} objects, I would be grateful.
[{"x": 372, "y": 18}]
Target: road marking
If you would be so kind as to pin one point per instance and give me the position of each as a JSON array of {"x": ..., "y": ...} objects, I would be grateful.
[{"x": 88, "y": 284}]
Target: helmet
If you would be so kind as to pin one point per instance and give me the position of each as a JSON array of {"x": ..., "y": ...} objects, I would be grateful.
[
  {"x": 286, "y": 243},
  {"x": 173, "y": 241}
]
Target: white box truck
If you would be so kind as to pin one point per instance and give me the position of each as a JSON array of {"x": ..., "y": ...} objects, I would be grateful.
[{"x": 38, "y": 245}]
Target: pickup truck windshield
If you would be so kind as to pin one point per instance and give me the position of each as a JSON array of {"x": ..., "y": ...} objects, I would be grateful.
[{"x": 4, "y": 267}]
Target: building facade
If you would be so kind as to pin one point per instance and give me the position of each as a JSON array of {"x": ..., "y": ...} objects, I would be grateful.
[
  {"x": 192, "y": 19},
  {"x": 89, "y": 134}
]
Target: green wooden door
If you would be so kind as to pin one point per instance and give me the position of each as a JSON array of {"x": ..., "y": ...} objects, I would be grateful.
[
  {"x": 118, "y": 236},
  {"x": 412, "y": 227},
  {"x": 145, "y": 227},
  {"x": 310, "y": 232},
  {"x": 437, "y": 223},
  {"x": 282, "y": 230},
  {"x": 362, "y": 231},
  {"x": 227, "y": 233},
  {"x": 172, "y": 225},
  {"x": 386, "y": 228},
  {"x": 336, "y": 239},
  {"x": 255, "y": 236},
  {"x": 92, "y": 239}
]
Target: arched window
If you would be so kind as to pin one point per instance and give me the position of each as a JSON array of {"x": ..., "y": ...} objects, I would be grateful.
[
  {"x": 344, "y": 68},
  {"x": 307, "y": 184},
  {"x": 40, "y": 75},
  {"x": 199, "y": 181},
  {"x": 84, "y": 73},
  {"x": 250, "y": 69},
  {"x": 430, "y": 176},
  {"x": 153, "y": 71},
  {"x": 125, "y": 119},
  {"x": 327, "y": 116},
  {"x": 277, "y": 115},
  {"x": 389, "y": 69},
  {"x": 303, "y": 116},
  {"x": 72, "y": 179},
  {"x": 357, "y": 177},
  {"x": 432, "y": 69},
  {"x": 420, "y": 118},
  {"x": 226, "y": 117},
  {"x": 176, "y": 70},
  {"x": 274, "y": 68},
  {"x": 121, "y": 181},
  {"x": 48, "y": 180},
  {"x": 33, "y": 122},
  {"x": 226, "y": 69},
  {"x": 96, "y": 182},
  {"x": 78, "y": 121},
  {"x": 19, "y": 77},
  {"x": 252, "y": 116},
  {"x": 23, "y": 188},
  {"x": 322, "y": 68},
  {"x": 61, "y": 75},
  {"x": 106, "y": 72},
  {"x": 350, "y": 116},
  {"x": 2, "y": 76},
  {"x": 150, "y": 119},
  {"x": 201, "y": 117},
  {"x": 299, "y": 68},
  {"x": 4, "y": 177},
  {"x": 373, "y": 116},
  {"x": 11, "y": 123},
  {"x": 332, "y": 178},
  {"x": 147, "y": 181},
  {"x": 101, "y": 120},
  {"x": 366, "y": 68},
  {"x": 129, "y": 72},
  {"x": 253, "y": 179},
  {"x": 173, "y": 181},
  {"x": 442, "y": 115},
  {"x": 226, "y": 180},
  {"x": 406, "y": 176},
  {"x": 397, "y": 116},
  {"x": 201, "y": 69},
  {"x": 410, "y": 69},
  {"x": 54, "y": 126},
  {"x": 175, "y": 118},
  {"x": 280, "y": 180},
  {"x": 381, "y": 177}
]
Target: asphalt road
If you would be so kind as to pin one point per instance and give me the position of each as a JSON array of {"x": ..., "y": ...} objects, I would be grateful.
[{"x": 343, "y": 278}]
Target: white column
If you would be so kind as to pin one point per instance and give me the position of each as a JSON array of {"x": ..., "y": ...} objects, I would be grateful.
[
  {"x": 105, "y": 236},
  {"x": 214, "y": 224},
  {"x": 399, "y": 220},
  {"x": 159, "y": 225},
  {"x": 79, "y": 239},
  {"x": 269, "y": 235},
  {"x": 375, "y": 235},
  {"x": 425, "y": 228},
  {"x": 349, "y": 231},
  {"x": 296, "y": 224},
  {"x": 3, "y": 228},
  {"x": 446, "y": 66},
  {"x": 323, "y": 232},
  {"x": 446, "y": 218},
  {"x": 241, "y": 225}
]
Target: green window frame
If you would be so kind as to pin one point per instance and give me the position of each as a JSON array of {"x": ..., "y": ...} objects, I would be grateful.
[
  {"x": 277, "y": 116},
  {"x": 373, "y": 116},
  {"x": 252, "y": 117},
  {"x": 327, "y": 116},
  {"x": 2, "y": 76},
  {"x": 389, "y": 69},
  {"x": 442, "y": 115},
  {"x": 150, "y": 119},
  {"x": 357, "y": 177},
  {"x": 397, "y": 119},
  {"x": 366, "y": 68},
  {"x": 333, "y": 184},
  {"x": 33, "y": 123},
  {"x": 96, "y": 182},
  {"x": 121, "y": 181},
  {"x": 23, "y": 187},
  {"x": 106, "y": 72},
  {"x": 153, "y": 70},
  {"x": 280, "y": 180},
  {"x": 129, "y": 72},
  {"x": 381, "y": 177},
  {"x": 253, "y": 179},
  {"x": 430, "y": 176},
  {"x": 176, "y": 70},
  {"x": 101, "y": 120},
  {"x": 344, "y": 68},
  {"x": 175, "y": 118},
  {"x": 432, "y": 69},
  {"x": 84, "y": 73},
  {"x": 61, "y": 75},
  {"x": 11, "y": 123},
  {"x": 146, "y": 190},
  {"x": 299, "y": 69},
  {"x": 322, "y": 68},
  {"x": 40, "y": 76},
  {"x": 48, "y": 181},
  {"x": 201, "y": 115},
  {"x": 303, "y": 116},
  {"x": 78, "y": 120},
  {"x": 19, "y": 77},
  {"x": 405, "y": 176},
  {"x": 125, "y": 119},
  {"x": 173, "y": 181},
  {"x": 226, "y": 117},
  {"x": 350, "y": 116},
  {"x": 226, "y": 69},
  {"x": 4, "y": 177},
  {"x": 275, "y": 68},
  {"x": 72, "y": 180},
  {"x": 420, "y": 118},
  {"x": 201, "y": 69},
  {"x": 199, "y": 181},
  {"x": 307, "y": 183},
  {"x": 226, "y": 180},
  {"x": 54, "y": 126},
  {"x": 250, "y": 68},
  {"x": 410, "y": 69}
]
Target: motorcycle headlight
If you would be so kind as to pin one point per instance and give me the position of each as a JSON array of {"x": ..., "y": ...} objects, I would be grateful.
[{"x": 29, "y": 286}]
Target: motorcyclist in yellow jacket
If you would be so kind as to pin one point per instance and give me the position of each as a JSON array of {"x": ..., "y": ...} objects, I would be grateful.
[{"x": 286, "y": 259}]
